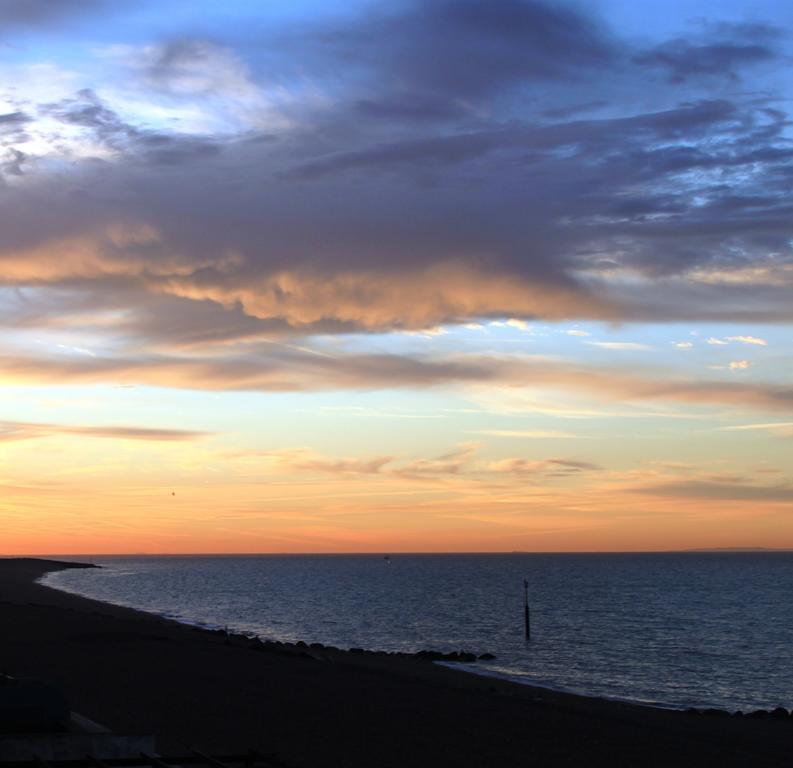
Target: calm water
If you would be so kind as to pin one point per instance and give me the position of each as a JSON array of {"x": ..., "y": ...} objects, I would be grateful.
[{"x": 673, "y": 629}]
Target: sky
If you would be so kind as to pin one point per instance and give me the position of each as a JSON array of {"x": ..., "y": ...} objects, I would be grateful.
[{"x": 443, "y": 275}]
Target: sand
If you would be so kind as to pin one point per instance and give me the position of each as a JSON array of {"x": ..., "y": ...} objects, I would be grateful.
[{"x": 192, "y": 689}]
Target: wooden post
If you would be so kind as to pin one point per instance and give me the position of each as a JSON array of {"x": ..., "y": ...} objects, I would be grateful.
[{"x": 526, "y": 621}]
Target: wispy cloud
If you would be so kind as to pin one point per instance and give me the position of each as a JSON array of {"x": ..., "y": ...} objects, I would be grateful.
[
  {"x": 461, "y": 463},
  {"x": 285, "y": 369},
  {"x": 753, "y": 340},
  {"x": 749, "y": 340},
  {"x": 547, "y": 467},
  {"x": 17, "y": 430},
  {"x": 536, "y": 434},
  {"x": 779, "y": 428},
  {"x": 626, "y": 346},
  {"x": 721, "y": 491}
]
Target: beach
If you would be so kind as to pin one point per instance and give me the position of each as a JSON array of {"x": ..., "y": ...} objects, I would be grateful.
[{"x": 195, "y": 689}]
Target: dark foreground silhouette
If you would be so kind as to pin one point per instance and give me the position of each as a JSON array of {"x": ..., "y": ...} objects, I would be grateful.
[{"x": 194, "y": 689}]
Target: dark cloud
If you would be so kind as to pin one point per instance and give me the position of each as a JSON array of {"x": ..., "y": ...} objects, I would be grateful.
[
  {"x": 410, "y": 107},
  {"x": 566, "y": 112},
  {"x": 12, "y": 163},
  {"x": 582, "y": 138},
  {"x": 458, "y": 167},
  {"x": 12, "y": 132},
  {"x": 467, "y": 49},
  {"x": 88, "y": 111},
  {"x": 13, "y": 119},
  {"x": 173, "y": 60},
  {"x": 722, "y": 53},
  {"x": 35, "y": 13},
  {"x": 683, "y": 60}
]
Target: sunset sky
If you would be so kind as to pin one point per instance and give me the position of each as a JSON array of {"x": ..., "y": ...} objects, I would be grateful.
[{"x": 443, "y": 275}]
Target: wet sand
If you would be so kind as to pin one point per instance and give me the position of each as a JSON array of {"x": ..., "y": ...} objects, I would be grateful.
[{"x": 192, "y": 689}]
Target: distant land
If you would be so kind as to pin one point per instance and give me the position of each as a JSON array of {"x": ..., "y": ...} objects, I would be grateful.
[{"x": 741, "y": 549}]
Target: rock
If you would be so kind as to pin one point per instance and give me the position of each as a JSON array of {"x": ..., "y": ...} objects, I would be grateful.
[
  {"x": 758, "y": 714},
  {"x": 316, "y": 645},
  {"x": 466, "y": 657},
  {"x": 430, "y": 655},
  {"x": 780, "y": 713},
  {"x": 486, "y": 657},
  {"x": 356, "y": 650}
]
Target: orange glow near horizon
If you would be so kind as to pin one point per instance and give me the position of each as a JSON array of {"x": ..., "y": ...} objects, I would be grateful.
[{"x": 112, "y": 496}]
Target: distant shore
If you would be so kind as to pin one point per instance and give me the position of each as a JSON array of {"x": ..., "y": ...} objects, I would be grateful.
[{"x": 198, "y": 689}]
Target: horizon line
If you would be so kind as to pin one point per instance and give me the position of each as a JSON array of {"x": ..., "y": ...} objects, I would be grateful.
[{"x": 391, "y": 553}]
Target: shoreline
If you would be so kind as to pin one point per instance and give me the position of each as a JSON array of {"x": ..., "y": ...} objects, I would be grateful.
[
  {"x": 468, "y": 668},
  {"x": 473, "y": 665},
  {"x": 193, "y": 688}
]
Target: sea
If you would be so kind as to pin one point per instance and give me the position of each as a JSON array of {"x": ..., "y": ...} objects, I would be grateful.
[{"x": 673, "y": 630}]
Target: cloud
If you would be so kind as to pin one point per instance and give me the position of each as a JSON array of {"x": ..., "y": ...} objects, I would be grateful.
[
  {"x": 748, "y": 340},
  {"x": 449, "y": 464},
  {"x": 720, "y": 491},
  {"x": 626, "y": 346},
  {"x": 432, "y": 163},
  {"x": 780, "y": 429},
  {"x": 739, "y": 365},
  {"x": 21, "y": 13},
  {"x": 460, "y": 463},
  {"x": 536, "y": 434},
  {"x": 107, "y": 129},
  {"x": 721, "y": 53},
  {"x": 547, "y": 467},
  {"x": 286, "y": 368},
  {"x": 193, "y": 66},
  {"x": 466, "y": 50},
  {"x": 11, "y": 431},
  {"x": 752, "y": 340},
  {"x": 341, "y": 466}
]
